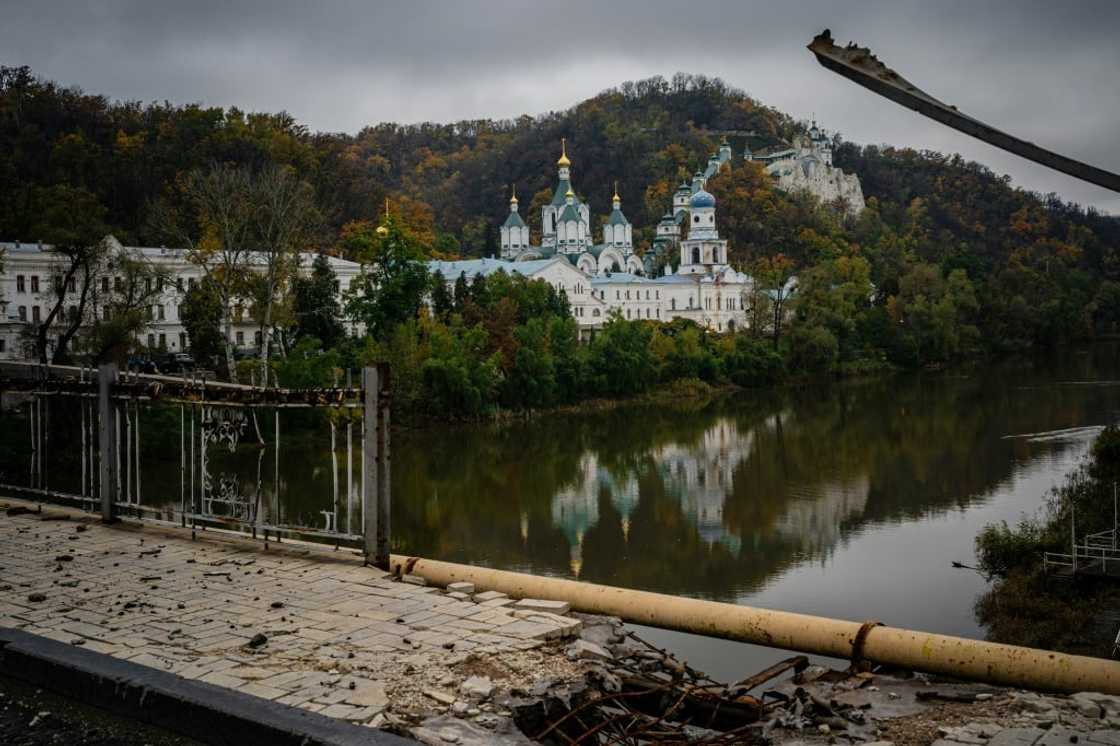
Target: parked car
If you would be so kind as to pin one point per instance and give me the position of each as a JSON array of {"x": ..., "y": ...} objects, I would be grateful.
[
  {"x": 177, "y": 362},
  {"x": 142, "y": 364}
]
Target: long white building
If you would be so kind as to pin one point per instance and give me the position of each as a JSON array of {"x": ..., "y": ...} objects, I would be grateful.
[{"x": 30, "y": 271}]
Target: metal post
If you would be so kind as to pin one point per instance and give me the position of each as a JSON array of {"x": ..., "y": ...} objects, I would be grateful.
[
  {"x": 82, "y": 408},
  {"x": 106, "y": 377},
  {"x": 182, "y": 466},
  {"x": 384, "y": 494},
  {"x": 334, "y": 482},
  {"x": 370, "y": 510},
  {"x": 276, "y": 467},
  {"x": 1114, "y": 515},
  {"x": 43, "y": 474},
  {"x": 136, "y": 437},
  {"x": 127, "y": 453},
  {"x": 1073, "y": 532},
  {"x": 349, "y": 471}
]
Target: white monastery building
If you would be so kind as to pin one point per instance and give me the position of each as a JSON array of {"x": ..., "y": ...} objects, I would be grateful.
[
  {"x": 607, "y": 276},
  {"x": 26, "y": 296},
  {"x": 808, "y": 166},
  {"x": 599, "y": 274}
]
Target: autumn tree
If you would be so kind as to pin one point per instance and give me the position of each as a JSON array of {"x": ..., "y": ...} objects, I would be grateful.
[
  {"x": 214, "y": 219},
  {"x": 71, "y": 220},
  {"x": 774, "y": 275},
  {"x": 129, "y": 302},
  {"x": 284, "y": 217}
]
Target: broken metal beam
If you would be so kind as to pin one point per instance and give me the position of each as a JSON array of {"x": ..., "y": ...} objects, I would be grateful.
[{"x": 859, "y": 65}]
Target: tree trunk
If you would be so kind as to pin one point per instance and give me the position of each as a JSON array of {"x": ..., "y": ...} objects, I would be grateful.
[
  {"x": 777, "y": 320},
  {"x": 61, "y": 356},
  {"x": 266, "y": 341},
  {"x": 231, "y": 365}
]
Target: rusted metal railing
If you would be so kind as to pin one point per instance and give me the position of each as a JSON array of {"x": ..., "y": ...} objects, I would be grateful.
[{"x": 212, "y": 417}]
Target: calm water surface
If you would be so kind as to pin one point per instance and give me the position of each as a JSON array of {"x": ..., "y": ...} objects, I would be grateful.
[{"x": 848, "y": 501}]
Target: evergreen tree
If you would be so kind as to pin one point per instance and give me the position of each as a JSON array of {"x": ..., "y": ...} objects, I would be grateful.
[
  {"x": 461, "y": 291},
  {"x": 201, "y": 313},
  {"x": 316, "y": 305},
  {"x": 442, "y": 303}
]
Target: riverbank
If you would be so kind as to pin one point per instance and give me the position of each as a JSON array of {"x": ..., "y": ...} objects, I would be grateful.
[
  {"x": 1052, "y": 606},
  {"x": 1030, "y": 608}
]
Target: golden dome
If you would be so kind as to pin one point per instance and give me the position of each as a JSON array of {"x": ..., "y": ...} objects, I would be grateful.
[
  {"x": 563, "y": 153},
  {"x": 570, "y": 193},
  {"x": 382, "y": 231},
  {"x": 513, "y": 197}
]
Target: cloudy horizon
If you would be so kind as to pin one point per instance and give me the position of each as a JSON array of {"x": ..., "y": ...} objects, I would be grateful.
[{"x": 1043, "y": 73}]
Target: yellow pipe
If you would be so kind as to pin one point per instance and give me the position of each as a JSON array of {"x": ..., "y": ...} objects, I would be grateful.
[{"x": 957, "y": 657}]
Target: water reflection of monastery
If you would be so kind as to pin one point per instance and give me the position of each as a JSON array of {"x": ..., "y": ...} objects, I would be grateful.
[{"x": 700, "y": 476}]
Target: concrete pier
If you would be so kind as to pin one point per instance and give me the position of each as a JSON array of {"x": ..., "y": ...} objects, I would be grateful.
[{"x": 297, "y": 624}]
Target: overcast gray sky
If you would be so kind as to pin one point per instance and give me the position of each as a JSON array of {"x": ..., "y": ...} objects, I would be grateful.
[{"x": 1048, "y": 72}]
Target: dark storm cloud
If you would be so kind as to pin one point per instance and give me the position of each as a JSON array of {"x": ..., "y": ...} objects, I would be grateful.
[{"x": 1044, "y": 71}]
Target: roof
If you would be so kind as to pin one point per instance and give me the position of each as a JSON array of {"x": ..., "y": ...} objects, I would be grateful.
[
  {"x": 513, "y": 221},
  {"x": 619, "y": 278},
  {"x": 488, "y": 266},
  {"x": 25, "y": 248},
  {"x": 560, "y": 196},
  {"x": 617, "y": 218},
  {"x": 570, "y": 213},
  {"x": 702, "y": 198}
]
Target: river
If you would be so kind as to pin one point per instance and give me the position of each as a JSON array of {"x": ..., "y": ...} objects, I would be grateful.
[{"x": 849, "y": 500}]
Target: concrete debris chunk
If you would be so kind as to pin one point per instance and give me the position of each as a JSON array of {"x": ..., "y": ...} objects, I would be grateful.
[
  {"x": 442, "y": 697},
  {"x": 585, "y": 650},
  {"x": 461, "y": 587},
  {"x": 368, "y": 694},
  {"x": 414, "y": 579},
  {"x": 537, "y": 604},
  {"x": 488, "y": 596},
  {"x": 495, "y": 603},
  {"x": 477, "y": 688}
]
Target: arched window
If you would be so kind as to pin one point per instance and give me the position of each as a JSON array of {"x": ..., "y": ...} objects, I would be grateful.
[
  {"x": 696, "y": 255},
  {"x": 673, "y": 304}
]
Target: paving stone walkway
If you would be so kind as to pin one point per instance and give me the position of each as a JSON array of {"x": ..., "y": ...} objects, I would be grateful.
[{"x": 298, "y": 624}]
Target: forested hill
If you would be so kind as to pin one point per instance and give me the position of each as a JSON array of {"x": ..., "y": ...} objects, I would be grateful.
[
  {"x": 459, "y": 173},
  {"x": 1039, "y": 269}
]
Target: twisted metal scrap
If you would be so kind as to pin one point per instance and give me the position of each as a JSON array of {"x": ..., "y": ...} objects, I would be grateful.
[{"x": 616, "y": 717}]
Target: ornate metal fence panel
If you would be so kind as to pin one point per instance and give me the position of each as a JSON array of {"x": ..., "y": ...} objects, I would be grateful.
[{"x": 202, "y": 453}]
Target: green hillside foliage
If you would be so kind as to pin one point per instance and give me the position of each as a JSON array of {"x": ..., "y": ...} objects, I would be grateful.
[{"x": 948, "y": 260}]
